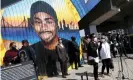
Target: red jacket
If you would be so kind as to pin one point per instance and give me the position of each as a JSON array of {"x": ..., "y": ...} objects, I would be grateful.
[{"x": 11, "y": 56}]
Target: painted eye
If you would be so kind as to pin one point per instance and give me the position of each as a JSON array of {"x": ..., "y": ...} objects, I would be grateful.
[
  {"x": 49, "y": 21},
  {"x": 37, "y": 22}
]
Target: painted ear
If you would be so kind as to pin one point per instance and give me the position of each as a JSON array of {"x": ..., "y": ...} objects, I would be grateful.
[{"x": 57, "y": 27}]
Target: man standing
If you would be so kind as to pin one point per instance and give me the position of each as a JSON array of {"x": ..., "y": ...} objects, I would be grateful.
[
  {"x": 93, "y": 57},
  {"x": 44, "y": 21},
  {"x": 74, "y": 50},
  {"x": 63, "y": 57}
]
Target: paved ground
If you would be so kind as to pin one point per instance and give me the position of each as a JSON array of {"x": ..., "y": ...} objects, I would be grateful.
[{"x": 76, "y": 74}]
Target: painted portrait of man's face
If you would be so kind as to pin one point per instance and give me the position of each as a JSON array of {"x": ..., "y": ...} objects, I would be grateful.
[{"x": 45, "y": 26}]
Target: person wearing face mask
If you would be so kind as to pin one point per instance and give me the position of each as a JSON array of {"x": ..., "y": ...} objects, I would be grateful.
[
  {"x": 11, "y": 56},
  {"x": 105, "y": 55},
  {"x": 93, "y": 56},
  {"x": 26, "y": 52},
  {"x": 63, "y": 57}
]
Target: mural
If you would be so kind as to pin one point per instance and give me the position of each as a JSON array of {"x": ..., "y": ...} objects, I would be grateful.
[
  {"x": 42, "y": 21},
  {"x": 39, "y": 21}
]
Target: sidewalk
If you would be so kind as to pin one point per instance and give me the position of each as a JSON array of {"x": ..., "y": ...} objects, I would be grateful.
[{"x": 76, "y": 74}]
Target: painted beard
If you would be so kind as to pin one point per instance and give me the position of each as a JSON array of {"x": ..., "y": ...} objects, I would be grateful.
[{"x": 47, "y": 36}]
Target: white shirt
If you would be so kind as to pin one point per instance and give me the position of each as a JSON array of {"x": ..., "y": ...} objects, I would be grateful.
[{"x": 105, "y": 51}]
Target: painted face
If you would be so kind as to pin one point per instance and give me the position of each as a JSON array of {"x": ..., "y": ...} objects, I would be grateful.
[{"x": 45, "y": 26}]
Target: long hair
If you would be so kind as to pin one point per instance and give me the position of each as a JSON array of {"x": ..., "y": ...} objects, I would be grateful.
[{"x": 11, "y": 45}]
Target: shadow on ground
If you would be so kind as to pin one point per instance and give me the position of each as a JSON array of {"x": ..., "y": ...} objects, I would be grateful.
[
  {"x": 84, "y": 74},
  {"x": 69, "y": 79}
]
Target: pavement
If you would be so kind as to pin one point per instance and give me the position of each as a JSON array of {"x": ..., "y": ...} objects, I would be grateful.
[{"x": 114, "y": 75}]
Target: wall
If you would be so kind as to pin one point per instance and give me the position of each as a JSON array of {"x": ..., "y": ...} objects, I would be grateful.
[{"x": 16, "y": 26}]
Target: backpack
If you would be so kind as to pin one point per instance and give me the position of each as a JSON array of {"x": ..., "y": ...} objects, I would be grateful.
[
  {"x": 100, "y": 46},
  {"x": 23, "y": 55},
  {"x": 99, "y": 49}
]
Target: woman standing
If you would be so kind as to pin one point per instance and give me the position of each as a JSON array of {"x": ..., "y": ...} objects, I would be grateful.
[{"x": 105, "y": 55}]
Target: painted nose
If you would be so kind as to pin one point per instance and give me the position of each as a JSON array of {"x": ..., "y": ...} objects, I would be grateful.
[{"x": 44, "y": 26}]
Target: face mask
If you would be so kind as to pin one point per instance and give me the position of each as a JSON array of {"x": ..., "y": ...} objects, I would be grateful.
[
  {"x": 95, "y": 39},
  {"x": 13, "y": 48},
  {"x": 60, "y": 41},
  {"x": 103, "y": 40}
]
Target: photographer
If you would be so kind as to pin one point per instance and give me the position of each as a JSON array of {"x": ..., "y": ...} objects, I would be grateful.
[{"x": 121, "y": 48}]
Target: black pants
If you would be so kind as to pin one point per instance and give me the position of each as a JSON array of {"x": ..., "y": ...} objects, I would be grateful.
[
  {"x": 114, "y": 54},
  {"x": 63, "y": 67},
  {"x": 77, "y": 61},
  {"x": 106, "y": 63},
  {"x": 95, "y": 70},
  {"x": 52, "y": 68},
  {"x": 122, "y": 51}
]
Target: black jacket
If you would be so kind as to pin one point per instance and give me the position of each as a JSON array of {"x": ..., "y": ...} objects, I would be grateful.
[
  {"x": 43, "y": 57},
  {"x": 74, "y": 48},
  {"x": 92, "y": 49},
  {"x": 62, "y": 55},
  {"x": 28, "y": 53},
  {"x": 40, "y": 58}
]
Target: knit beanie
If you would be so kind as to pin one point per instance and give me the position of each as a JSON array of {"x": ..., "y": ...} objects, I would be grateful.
[{"x": 41, "y": 6}]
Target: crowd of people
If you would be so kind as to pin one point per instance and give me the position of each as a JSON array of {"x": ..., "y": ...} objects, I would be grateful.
[
  {"x": 103, "y": 48},
  {"x": 27, "y": 53},
  {"x": 96, "y": 48}
]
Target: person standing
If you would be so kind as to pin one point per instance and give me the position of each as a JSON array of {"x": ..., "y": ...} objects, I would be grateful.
[
  {"x": 11, "y": 56},
  {"x": 75, "y": 51},
  {"x": 105, "y": 55},
  {"x": 63, "y": 57},
  {"x": 93, "y": 57},
  {"x": 26, "y": 52}
]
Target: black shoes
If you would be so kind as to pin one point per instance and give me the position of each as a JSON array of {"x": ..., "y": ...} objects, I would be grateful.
[
  {"x": 56, "y": 74},
  {"x": 67, "y": 74},
  {"x": 97, "y": 79},
  {"x": 81, "y": 66},
  {"x": 63, "y": 76}
]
